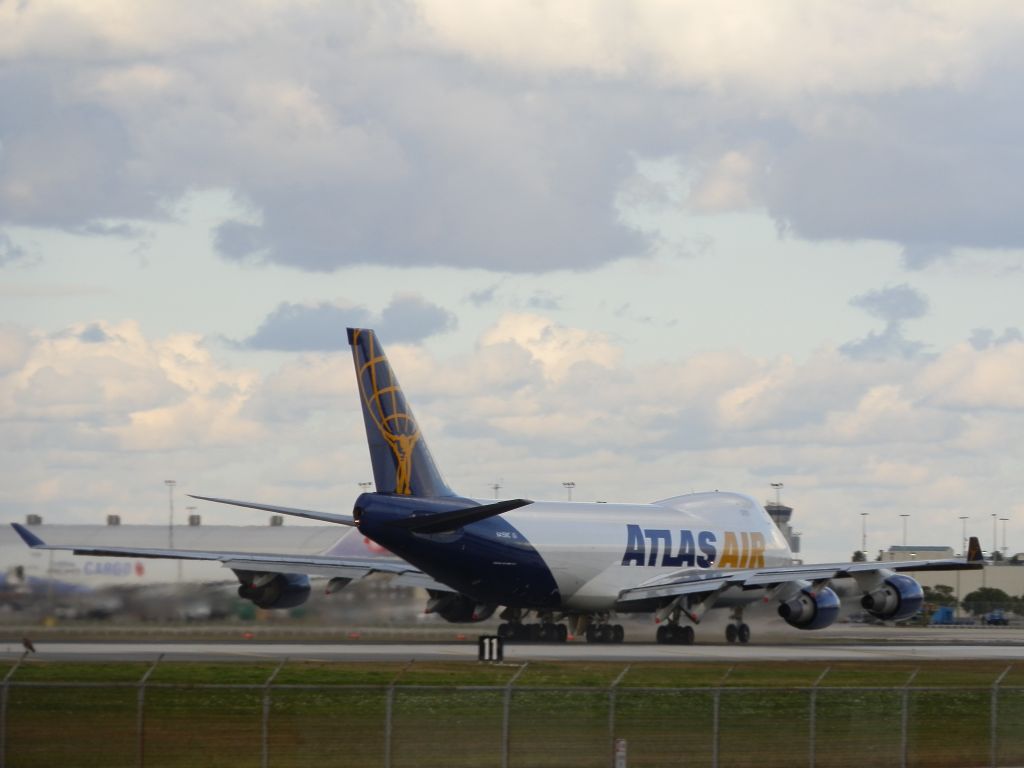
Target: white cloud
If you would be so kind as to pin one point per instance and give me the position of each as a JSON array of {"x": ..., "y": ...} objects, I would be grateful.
[
  {"x": 146, "y": 395},
  {"x": 14, "y": 347},
  {"x": 967, "y": 378},
  {"x": 556, "y": 347},
  {"x": 726, "y": 185},
  {"x": 781, "y": 48}
]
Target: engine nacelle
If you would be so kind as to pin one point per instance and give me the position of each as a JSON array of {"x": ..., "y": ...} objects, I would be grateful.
[
  {"x": 808, "y": 609},
  {"x": 898, "y": 597},
  {"x": 457, "y": 608},
  {"x": 274, "y": 590}
]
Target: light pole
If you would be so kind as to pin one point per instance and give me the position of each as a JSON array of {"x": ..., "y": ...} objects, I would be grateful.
[
  {"x": 497, "y": 487},
  {"x": 778, "y": 489},
  {"x": 170, "y": 523},
  {"x": 963, "y": 542},
  {"x": 1003, "y": 520},
  {"x": 568, "y": 488},
  {"x": 864, "y": 533},
  {"x": 995, "y": 540},
  {"x": 905, "y": 515}
]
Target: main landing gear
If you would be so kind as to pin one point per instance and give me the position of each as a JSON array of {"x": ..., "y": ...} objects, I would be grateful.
[
  {"x": 605, "y": 633},
  {"x": 547, "y": 631},
  {"x": 673, "y": 634},
  {"x": 737, "y": 631}
]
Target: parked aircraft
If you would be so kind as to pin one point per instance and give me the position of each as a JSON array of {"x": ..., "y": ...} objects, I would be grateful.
[{"x": 560, "y": 562}]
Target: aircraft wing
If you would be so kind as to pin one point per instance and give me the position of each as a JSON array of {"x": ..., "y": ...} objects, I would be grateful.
[
  {"x": 700, "y": 582},
  {"x": 313, "y": 565}
]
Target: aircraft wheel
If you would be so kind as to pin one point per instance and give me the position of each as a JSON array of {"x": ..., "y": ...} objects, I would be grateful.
[
  {"x": 686, "y": 635},
  {"x": 592, "y": 634},
  {"x": 743, "y": 633},
  {"x": 662, "y": 634},
  {"x": 562, "y": 633},
  {"x": 504, "y": 631},
  {"x": 731, "y": 633},
  {"x": 618, "y": 634},
  {"x": 533, "y": 632},
  {"x": 607, "y": 634}
]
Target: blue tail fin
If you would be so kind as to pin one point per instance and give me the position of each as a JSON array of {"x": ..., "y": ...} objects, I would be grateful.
[{"x": 402, "y": 463}]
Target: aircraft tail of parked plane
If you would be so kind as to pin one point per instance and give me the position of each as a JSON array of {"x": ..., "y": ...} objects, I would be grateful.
[{"x": 564, "y": 563}]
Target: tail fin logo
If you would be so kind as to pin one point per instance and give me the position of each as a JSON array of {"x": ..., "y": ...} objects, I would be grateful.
[
  {"x": 974, "y": 554},
  {"x": 385, "y": 404}
]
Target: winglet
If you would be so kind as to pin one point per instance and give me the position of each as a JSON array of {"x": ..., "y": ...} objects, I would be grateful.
[
  {"x": 974, "y": 551},
  {"x": 27, "y": 536}
]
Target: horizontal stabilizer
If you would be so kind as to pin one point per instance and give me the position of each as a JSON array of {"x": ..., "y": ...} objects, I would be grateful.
[
  {"x": 449, "y": 521},
  {"x": 327, "y": 517}
]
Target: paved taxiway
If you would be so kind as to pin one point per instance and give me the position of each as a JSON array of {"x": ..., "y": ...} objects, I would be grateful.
[
  {"x": 513, "y": 652},
  {"x": 843, "y": 643}
]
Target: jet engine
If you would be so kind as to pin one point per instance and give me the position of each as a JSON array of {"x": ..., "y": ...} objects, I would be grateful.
[
  {"x": 273, "y": 590},
  {"x": 808, "y": 609},
  {"x": 898, "y": 597},
  {"x": 457, "y": 608}
]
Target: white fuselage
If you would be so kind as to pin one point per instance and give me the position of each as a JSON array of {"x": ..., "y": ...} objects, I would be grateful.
[{"x": 596, "y": 550}]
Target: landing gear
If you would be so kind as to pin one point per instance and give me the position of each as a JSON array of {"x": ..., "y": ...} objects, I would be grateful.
[
  {"x": 547, "y": 631},
  {"x": 552, "y": 633},
  {"x": 673, "y": 634},
  {"x": 737, "y": 631},
  {"x": 603, "y": 632}
]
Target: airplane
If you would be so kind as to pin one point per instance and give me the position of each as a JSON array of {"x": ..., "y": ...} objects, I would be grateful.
[{"x": 565, "y": 563}]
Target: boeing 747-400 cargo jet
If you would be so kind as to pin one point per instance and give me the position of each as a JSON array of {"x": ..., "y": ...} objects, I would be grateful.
[{"x": 560, "y": 562}]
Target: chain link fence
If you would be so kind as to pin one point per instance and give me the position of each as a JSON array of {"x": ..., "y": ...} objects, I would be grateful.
[{"x": 143, "y": 722}]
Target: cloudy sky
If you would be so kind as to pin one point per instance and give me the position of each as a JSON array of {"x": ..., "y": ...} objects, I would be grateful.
[{"x": 648, "y": 248}]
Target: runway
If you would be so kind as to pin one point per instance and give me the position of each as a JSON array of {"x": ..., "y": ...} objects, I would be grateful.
[{"x": 467, "y": 651}]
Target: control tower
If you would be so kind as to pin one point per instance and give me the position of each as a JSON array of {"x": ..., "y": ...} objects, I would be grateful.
[{"x": 781, "y": 514}]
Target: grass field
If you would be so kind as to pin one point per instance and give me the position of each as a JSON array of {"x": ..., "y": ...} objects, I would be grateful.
[{"x": 559, "y": 714}]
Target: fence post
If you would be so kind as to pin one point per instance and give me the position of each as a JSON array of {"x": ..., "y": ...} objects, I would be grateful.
[
  {"x": 265, "y": 729},
  {"x": 140, "y": 715},
  {"x": 994, "y": 720},
  {"x": 904, "y": 718},
  {"x": 388, "y": 707},
  {"x": 814, "y": 716},
  {"x": 715, "y": 705},
  {"x": 611, "y": 714},
  {"x": 506, "y": 716},
  {"x": 3, "y": 709}
]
